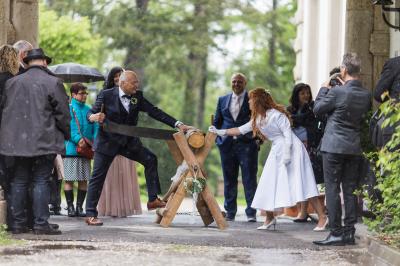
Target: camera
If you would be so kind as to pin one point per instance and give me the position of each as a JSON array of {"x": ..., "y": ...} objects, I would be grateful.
[{"x": 334, "y": 81}]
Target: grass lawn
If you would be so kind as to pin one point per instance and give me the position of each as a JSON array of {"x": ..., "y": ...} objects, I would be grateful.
[{"x": 5, "y": 237}]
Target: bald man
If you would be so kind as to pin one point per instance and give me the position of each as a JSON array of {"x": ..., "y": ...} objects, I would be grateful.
[
  {"x": 122, "y": 105},
  {"x": 242, "y": 151}
]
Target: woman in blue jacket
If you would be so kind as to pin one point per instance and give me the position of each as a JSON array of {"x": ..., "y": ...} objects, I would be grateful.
[{"x": 76, "y": 167}]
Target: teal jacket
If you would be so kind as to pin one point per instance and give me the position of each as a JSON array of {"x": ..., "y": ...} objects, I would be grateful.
[{"x": 88, "y": 130}]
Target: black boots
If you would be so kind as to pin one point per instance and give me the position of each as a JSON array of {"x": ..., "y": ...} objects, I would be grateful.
[
  {"x": 79, "y": 202},
  {"x": 69, "y": 196}
]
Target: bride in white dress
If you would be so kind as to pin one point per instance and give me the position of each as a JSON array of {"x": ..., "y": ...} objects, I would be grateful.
[{"x": 287, "y": 177}]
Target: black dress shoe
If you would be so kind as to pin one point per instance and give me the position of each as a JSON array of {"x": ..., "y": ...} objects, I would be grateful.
[
  {"x": 299, "y": 220},
  {"x": 331, "y": 240},
  {"x": 46, "y": 230},
  {"x": 54, "y": 226},
  {"x": 19, "y": 230},
  {"x": 348, "y": 238},
  {"x": 229, "y": 219}
]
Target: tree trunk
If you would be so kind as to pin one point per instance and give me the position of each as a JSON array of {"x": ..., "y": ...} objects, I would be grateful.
[
  {"x": 195, "y": 91},
  {"x": 272, "y": 40},
  {"x": 135, "y": 57}
]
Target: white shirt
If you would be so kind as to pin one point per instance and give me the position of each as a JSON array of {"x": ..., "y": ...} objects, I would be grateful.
[
  {"x": 125, "y": 101},
  {"x": 236, "y": 103}
]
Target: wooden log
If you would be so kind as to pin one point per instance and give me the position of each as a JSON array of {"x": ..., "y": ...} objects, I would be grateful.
[
  {"x": 175, "y": 152},
  {"x": 195, "y": 138},
  {"x": 173, "y": 206},
  {"x": 174, "y": 186},
  {"x": 204, "y": 212},
  {"x": 209, "y": 141},
  {"x": 214, "y": 208}
]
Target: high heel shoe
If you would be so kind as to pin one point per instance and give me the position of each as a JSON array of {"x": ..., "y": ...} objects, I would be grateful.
[
  {"x": 322, "y": 228},
  {"x": 267, "y": 226},
  {"x": 301, "y": 220}
]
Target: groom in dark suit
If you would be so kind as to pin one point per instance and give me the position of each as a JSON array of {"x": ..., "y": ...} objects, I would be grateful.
[
  {"x": 122, "y": 105},
  {"x": 242, "y": 151}
]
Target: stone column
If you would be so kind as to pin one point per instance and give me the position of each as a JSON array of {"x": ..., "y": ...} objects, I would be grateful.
[
  {"x": 25, "y": 20},
  {"x": 379, "y": 46},
  {"x": 359, "y": 27}
]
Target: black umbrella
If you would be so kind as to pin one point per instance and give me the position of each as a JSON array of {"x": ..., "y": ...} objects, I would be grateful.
[{"x": 72, "y": 72}]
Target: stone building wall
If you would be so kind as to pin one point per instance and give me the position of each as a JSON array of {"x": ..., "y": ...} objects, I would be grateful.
[{"x": 19, "y": 20}]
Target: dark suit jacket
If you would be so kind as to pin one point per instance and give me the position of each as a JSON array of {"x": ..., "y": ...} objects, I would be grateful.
[
  {"x": 223, "y": 120},
  {"x": 109, "y": 143},
  {"x": 346, "y": 107},
  {"x": 389, "y": 80}
]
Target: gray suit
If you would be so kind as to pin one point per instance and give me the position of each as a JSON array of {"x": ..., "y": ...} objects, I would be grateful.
[{"x": 346, "y": 107}]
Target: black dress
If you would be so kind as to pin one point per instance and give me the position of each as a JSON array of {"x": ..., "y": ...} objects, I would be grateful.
[{"x": 305, "y": 117}]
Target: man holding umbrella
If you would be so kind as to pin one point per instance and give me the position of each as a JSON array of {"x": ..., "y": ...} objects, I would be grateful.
[
  {"x": 34, "y": 124},
  {"x": 122, "y": 105}
]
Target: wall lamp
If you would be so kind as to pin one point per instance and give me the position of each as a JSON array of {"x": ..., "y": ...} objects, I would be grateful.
[{"x": 385, "y": 8}]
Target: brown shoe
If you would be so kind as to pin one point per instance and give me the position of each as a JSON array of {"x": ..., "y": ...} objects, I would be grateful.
[
  {"x": 157, "y": 203},
  {"x": 93, "y": 221}
]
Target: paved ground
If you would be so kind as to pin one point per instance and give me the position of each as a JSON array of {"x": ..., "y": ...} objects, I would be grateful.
[{"x": 137, "y": 240}]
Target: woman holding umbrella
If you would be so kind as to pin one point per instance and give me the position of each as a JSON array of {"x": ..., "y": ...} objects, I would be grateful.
[{"x": 120, "y": 196}]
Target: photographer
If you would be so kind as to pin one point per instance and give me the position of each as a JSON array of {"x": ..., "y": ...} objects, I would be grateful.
[{"x": 346, "y": 107}]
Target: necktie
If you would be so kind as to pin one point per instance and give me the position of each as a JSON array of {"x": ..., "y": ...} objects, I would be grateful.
[
  {"x": 127, "y": 97},
  {"x": 236, "y": 108}
]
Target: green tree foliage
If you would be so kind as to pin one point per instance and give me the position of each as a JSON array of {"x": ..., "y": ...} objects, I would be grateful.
[
  {"x": 387, "y": 170},
  {"x": 68, "y": 40},
  {"x": 170, "y": 44}
]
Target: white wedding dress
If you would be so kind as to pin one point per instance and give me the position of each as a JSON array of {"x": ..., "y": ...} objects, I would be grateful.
[{"x": 282, "y": 185}]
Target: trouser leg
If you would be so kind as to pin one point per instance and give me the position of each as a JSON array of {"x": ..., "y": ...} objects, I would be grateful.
[
  {"x": 101, "y": 165},
  {"x": 230, "y": 170},
  {"x": 19, "y": 192},
  {"x": 41, "y": 171},
  {"x": 248, "y": 160},
  {"x": 145, "y": 157},
  {"x": 349, "y": 185},
  {"x": 333, "y": 169}
]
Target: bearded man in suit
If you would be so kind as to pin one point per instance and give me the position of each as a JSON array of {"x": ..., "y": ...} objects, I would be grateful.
[
  {"x": 122, "y": 105},
  {"x": 241, "y": 151}
]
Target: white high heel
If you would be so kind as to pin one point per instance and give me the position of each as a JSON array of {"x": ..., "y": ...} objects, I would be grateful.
[
  {"x": 267, "y": 226},
  {"x": 322, "y": 228}
]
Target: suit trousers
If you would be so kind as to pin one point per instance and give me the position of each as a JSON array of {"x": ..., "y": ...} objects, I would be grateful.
[
  {"x": 341, "y": 169},
  {"x": 101, "y": 165},
  {"x": 245, "y": 156}
]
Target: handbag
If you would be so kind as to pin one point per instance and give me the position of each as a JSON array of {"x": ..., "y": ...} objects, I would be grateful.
[
  {"x": 85, "y": 150},
  {"x": 375, "y": 129}
]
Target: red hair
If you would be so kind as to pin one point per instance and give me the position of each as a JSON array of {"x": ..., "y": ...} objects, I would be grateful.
[{"x": 262, "y": 101}]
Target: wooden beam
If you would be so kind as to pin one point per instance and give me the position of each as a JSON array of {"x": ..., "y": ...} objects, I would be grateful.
[
  {"x": 214, "y": 208},
  {"x": 173, "y": 205}
]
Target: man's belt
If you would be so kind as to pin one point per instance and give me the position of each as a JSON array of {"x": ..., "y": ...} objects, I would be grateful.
[{"x": 133, "y": 131}]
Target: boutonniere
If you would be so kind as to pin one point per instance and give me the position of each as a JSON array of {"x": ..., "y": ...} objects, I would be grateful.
[{"x": 133, "y": 101}]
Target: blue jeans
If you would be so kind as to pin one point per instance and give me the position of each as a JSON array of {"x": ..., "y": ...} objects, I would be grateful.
[{"x": 35, "y": 172}]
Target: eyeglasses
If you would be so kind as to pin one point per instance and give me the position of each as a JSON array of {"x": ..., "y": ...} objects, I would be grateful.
[{"x": 83, "y": 93}]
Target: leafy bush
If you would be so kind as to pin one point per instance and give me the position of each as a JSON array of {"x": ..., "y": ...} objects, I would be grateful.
[{"x": 386, "y": 164}]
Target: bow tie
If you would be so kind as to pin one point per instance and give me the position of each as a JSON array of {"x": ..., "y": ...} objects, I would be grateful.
[{"x": 127, "y": 96}]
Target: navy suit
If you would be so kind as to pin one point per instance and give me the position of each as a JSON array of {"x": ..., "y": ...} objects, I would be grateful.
[
  {"x": 240, "y": 152},
  {"x": 108, "y": 145}
]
